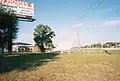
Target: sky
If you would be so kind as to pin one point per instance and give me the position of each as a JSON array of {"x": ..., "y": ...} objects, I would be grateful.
[{"x": 94, "y": 20}]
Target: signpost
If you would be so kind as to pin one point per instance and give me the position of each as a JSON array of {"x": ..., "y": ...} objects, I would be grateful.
[{"x": 23, "y": 10}]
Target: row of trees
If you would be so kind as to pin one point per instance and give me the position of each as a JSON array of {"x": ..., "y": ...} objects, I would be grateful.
[{"x": 105, "y": 45}]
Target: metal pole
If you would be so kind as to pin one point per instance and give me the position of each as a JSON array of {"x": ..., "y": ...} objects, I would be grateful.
[{"x": 78, "y": 38}]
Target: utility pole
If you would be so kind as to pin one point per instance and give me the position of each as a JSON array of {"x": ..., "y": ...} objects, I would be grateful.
[{"x": 78, "y": 39}]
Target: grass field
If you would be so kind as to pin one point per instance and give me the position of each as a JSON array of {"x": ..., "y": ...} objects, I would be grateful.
[{"x": 62, "y": 67}]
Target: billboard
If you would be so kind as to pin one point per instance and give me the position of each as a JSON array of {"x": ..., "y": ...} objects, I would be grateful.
[{"x": 20, "y": 8}]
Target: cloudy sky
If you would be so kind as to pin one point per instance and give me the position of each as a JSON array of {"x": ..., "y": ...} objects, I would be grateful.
[{"x": 95, "y": 20}]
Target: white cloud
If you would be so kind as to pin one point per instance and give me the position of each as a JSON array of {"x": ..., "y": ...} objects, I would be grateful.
[
  {"x": 64, "y": 46},
  {"x": 111, "y": 23},
  {"x": 77, "y": 25},
  {"x": 103, "y": 11},
  {"x": 64, "y": 38},
  {"x": 106, "y": 24},
  {"x": 100, "y": 32},
  {"x": 67, "y": 36},
  {"x": 25, "y": 37}
]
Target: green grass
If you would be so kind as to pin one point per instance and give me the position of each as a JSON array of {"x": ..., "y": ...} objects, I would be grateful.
[
  {"x": 114, "y": 52},
  {"x": 26, "y": 61},
  {"x": 67, "y": 67}
]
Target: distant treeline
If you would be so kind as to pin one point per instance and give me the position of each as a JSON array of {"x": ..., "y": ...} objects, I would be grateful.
[{"x": 105, "y": 45}]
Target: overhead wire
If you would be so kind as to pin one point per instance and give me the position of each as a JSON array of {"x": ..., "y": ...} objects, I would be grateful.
[
  {"x": 93, "y": 9},
  {"x": 112, "y": 10},
  {"x": 84, "y": 18}
]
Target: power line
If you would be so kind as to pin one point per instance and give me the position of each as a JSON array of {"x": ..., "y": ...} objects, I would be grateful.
[
  {"x": 85, "y": 22},
  {"x": 84, "y": 19},
  {"x": 112, "y": 10},
  {"x": 93, "y": 9}
]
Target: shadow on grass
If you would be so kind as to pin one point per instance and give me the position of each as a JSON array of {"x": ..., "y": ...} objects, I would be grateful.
[
  {"x": 107, "y": 52},
  {"x": 112, "y": 52},
  {"x": 26, "y": 61}
]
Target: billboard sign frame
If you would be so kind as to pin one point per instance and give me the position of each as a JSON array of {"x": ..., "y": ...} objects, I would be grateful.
[{"x": 19, "y": 8}]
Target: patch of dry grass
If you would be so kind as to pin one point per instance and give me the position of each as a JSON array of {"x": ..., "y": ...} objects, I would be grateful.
[{"x": 72, "y": 67}]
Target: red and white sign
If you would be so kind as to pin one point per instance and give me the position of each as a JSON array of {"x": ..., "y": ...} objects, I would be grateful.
[{"x": 20, "y": 8}]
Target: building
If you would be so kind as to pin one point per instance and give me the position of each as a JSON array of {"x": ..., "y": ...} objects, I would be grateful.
[
  {"x": 25, "y": 47},
  {"x": 31, "y": 48}
]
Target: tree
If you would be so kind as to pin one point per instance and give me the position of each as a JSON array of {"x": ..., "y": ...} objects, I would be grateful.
[
  {"x": 43, "y": 37},
  {"x": 99, "y": 45},
  {"x": 8, "y": 29}
]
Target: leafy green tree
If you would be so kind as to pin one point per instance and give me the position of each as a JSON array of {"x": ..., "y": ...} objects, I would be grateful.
[
  {"x": 43, "y": 35},
  {"x": 8, "y": 29}
]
